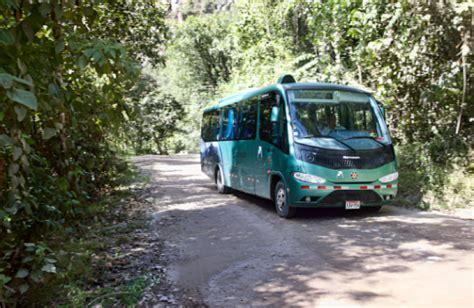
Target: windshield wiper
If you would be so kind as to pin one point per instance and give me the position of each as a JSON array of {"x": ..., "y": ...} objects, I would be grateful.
[
  {"x": 330, "y": 137},
  {"x": 367, "y": 137}
]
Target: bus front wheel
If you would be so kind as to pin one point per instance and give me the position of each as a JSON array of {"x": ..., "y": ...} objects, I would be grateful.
[
  {"x": 282, "y": 207},
  {"x": 221, "y": 188}
]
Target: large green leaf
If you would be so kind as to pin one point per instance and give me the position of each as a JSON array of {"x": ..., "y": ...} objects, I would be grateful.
[
  {"x": 5, "y": 140},
  {"x": 17, "y": 151},
  {"x": 23, "y": 81},
  {"x": 23, "y": 97},
  {"x": 22, "y": 273},
  {"x": 49, "y": 133},
  {"x": 6, "y": 80},
  {"x": 20, "y": 113},
  {"x": 4, "y": 279},
  {"x": 49, "y": 268},
  {"x": 6, "y": 37}
]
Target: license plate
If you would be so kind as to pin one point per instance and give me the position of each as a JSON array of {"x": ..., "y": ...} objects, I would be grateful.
[{"x": 352, "y": 204}]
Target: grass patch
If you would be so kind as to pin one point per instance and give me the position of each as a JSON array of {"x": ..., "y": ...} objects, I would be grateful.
[{"x": 127, "y": 294}]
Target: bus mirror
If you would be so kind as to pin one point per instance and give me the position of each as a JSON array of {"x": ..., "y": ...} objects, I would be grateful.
[{"x": 275, "y": 114}]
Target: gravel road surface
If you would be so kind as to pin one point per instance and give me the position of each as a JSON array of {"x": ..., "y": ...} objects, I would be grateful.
[{"x": 234, "y": 250}]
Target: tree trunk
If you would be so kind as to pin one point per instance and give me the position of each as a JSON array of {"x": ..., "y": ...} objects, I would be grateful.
[{"x": 464, "y": 47}]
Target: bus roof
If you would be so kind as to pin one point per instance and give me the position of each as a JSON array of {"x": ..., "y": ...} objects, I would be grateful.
[{"x": 242, "y": 95}]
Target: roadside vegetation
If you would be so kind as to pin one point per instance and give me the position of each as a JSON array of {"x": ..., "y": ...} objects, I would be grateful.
[
  {"x": 70, "y": 86},
  {"x": 83, "y": 84},
  {"x": 416, "y": 57}
]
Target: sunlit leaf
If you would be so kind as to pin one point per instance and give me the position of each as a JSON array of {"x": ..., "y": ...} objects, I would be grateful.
[
  {"x": 23, "y": 97},
  {"x": 6, "y": 80},
  {"x": 22, "y": 273},
  {"x": 48, "y": 133},
  {"x": 23, "y": 81},
  {"x": 17, "y": 151},
  {"x": 49, "y": 268},
  {"x": 20, "y": 113},
  {"x": 5, "y": 140},
  {"x": 27, "y": 259}
]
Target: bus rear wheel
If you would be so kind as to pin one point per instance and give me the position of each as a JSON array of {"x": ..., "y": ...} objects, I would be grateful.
[
  {"x": 221, "y": 188},
  {"x": 280, "y": 197}
]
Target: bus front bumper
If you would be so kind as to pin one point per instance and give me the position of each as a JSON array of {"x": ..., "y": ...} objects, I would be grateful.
[{"x": 336, "y": 195}]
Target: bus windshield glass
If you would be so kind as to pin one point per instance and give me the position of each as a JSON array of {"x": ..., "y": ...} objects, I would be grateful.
[{"x": 337, "y": 119}]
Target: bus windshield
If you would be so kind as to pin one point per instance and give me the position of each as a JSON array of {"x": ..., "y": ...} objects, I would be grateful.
[{"x": 337, "y": 119}]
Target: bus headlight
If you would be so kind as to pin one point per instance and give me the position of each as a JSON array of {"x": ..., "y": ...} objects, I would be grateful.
[
  {"x": 304, "y": 177},
  {"x": 389, "y": 178}
]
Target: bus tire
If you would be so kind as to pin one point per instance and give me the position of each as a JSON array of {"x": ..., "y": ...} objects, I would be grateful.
[
  {"x": 221, "y": 188},
  {"x": 280, "y": 198}
]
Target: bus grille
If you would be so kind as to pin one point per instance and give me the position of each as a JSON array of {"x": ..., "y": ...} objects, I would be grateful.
[
  {"x": 366, "y": 159},
  {"x": 341, "y": 196}
]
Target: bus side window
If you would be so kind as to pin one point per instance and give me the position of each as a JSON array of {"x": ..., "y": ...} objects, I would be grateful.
[
  {"x": 284, "y": 145},
  {"x": 268, "y": 131},
  {"x": 225, "y": 120},
  {"x": 249, "y": 119},
  {"x": 228, "y": 123},
  {"x": 206, "y": 126},
  {"x": 235, "y": 127},
  {"x": 240, "y": 122},
  {"x": 273, "y": 132},
  {"x": 214, "y": 126}
]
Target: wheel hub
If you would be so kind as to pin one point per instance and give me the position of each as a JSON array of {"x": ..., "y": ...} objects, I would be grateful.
[{"x": 280, "y": 199}]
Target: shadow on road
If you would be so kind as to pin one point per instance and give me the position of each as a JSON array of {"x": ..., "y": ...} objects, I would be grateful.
[{"x": 239, "y": 251}]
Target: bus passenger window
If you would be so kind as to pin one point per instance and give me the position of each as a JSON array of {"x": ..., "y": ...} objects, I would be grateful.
[
  {"x": 268, "y": 131},
  {"x": 228, "y": 123},
  {"x": 249, "y": 117},
  {"x": 272, "y": 132},
  {"x": 214, "y": 125},
  {"x": 205, "y": 127},
  {"x": 237, "y": 120}
]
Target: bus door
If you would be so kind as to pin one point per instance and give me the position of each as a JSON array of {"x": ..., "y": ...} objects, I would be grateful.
[
  {"x": 247, "y": 145},
  {"x": 228, "y": 145},
  {"x": 273, "y": 142}
]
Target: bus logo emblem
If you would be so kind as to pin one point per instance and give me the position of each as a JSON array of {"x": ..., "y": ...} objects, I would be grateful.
[
  {"x": 351, "y": 157},
  {"x": 354, "y": 175},
  {"x": 340, "y": 175}
]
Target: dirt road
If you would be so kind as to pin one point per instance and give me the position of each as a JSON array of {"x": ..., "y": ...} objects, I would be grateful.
[{"x": 234, "y": 250}]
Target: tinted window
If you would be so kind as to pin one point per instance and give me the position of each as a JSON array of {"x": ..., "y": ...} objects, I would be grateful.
[
  {"x": 229, "y": 122},
  {"x": 205, "y": 126},
  {"x": 273, "y": 132},
  {"x": 214, "y": 125},
  {"x": 268, "y": 130},
  {"x": 248, "y": 119}
]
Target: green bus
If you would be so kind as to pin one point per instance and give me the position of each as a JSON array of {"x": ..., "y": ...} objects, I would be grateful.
[{"x": 301, "y": 145}]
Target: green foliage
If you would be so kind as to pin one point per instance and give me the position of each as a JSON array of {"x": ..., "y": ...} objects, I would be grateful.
[
  {"x": 414, "y": 56},
  {"x": 72, "y": 92},
  {"x": 65, "y": 74},
  {"x": 154, "y": 117}
]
